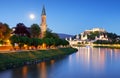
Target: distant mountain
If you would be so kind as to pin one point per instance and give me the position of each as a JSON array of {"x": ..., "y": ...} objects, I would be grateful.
[{"x": 63, "y": 36}]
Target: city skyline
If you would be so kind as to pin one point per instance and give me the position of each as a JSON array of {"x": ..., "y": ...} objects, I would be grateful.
[{"x": 64, "y": 16}]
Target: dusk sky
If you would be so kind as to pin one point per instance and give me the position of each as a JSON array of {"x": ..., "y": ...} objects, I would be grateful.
[{"x": 64, "y": 16}]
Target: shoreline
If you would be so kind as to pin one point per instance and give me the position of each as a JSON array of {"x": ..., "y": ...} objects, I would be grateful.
[
  {"x": 19, "y": 59},
  {"x": 112, "y": 46}
]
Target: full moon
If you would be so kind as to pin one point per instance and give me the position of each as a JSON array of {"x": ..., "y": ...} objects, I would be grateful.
[{"x": 32, "y": 16}]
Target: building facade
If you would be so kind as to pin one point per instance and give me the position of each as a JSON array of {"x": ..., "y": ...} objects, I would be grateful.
[
  {"x": 83, "y": 37},
  {"x": 43, "y": 24},
  {"x": 95, "y": 30}
]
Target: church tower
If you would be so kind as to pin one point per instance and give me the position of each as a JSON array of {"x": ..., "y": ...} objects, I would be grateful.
[{"x": 43, "y": 24}]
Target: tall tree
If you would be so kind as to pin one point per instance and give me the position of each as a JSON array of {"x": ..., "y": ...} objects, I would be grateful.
[
  {"x": 35, "y": 42},
  {"x": 35, "y": 31},
  {"x": 49, "y": 34},
  {"x": 14, "y": 39},
  {"x": 5, "y": 32},
  {"x": 21, "y": 30}
]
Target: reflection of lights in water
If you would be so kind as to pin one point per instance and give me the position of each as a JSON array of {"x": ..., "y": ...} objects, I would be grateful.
[
  {"x": 92, "y": 58},
  {"x": 70, "y": 59},
  {"x": 116, "y": 53},
  {"x": 24, "y": 71},
  {"x": 111, "y": 54},
  {"x": 42, "y": 68},
  {"x": 52, "y": 62},
  {"x": 88, "y": 56}
]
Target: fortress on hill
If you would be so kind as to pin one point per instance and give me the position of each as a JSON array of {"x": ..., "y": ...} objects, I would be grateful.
[{"x": 83, "y": 37}]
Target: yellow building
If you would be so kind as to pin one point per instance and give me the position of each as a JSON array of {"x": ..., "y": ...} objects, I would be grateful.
[{"x": 43, "y": 24}]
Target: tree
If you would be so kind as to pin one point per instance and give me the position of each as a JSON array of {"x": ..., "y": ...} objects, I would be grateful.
[
  {"x": 58, "y": 42},
  {"x": 40, "y": 41},
  {"x": 112, "y": 36},
  {"x": 46, "y": 41},
  {"x": 8, "y": 31},
  {"x": 21, "y": 30},
  {"x": 14, "y": 39},
  {"x": 5, "y": 32},
  {"x": 35, "y": 42},
  {"x": 51, "y": 42},
  {"x": 20, "y": 40},
  {"x": 92, "y": 35},
  {"x": 64, "y": 42},
  {"x": 49, "y": 34},
  {"x": 35, "y": 31}
]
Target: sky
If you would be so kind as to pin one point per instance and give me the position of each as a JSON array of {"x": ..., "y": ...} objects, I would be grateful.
[{"x": 64, "y": 16}]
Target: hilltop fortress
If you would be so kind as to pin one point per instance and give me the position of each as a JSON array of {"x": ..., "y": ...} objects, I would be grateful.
[{"x": 84, "y": 37}]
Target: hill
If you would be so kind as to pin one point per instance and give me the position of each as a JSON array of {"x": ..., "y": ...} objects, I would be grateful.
[{"x": 63, "y": 36}]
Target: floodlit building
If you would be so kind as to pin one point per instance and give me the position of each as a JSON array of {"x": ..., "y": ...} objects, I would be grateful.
[
  {"x": 43, "y": 24},
  {"x": 83, "y": 38},
  {"x": 95, "y": 30},
  {"x": 101, "y": 37}
]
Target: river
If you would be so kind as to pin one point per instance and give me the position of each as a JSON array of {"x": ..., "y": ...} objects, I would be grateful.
[{"x": 86, "y": 63}]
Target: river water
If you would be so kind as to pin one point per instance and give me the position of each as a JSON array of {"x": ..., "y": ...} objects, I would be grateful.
[{"x": 86, "y": 63}]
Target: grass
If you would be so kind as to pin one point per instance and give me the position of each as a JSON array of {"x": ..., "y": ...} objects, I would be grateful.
[{"x": 17, "y": 59}]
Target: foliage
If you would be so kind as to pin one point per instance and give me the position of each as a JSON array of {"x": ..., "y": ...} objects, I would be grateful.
[
  {"x": 21, "y": 37},
  {"x": 21, "y": 30},
  {"x": 92, "y": 35},
  {"x": 112, "y": 39},
  {"x": 36, "y": 42},
  {"x": 20, "y": 40},
  {"x": 49, "y": 41},
  {"x": 106, "y": 42},
  {"x": 64, "y": 42},
  {"x": 5, "y": 32},
  {"x": 49, "y": 34},
  {"x": 102, "y": 42},
  {"x": 14, "y": 39},
  {"x": 112, "y": 36},
  {"x": 35, "y": 31},
  {"x": 57, "y": 42}
]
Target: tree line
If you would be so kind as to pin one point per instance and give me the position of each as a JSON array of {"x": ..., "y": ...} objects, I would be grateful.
[
  {"x": 24, "y": 40},
  {"x": 112, "y": 39},
  {"x": 22, "y": 35}
]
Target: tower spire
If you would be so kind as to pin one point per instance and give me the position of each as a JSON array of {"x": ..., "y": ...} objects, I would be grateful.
[
  {"x": 43, "y": 11},
  {"x": 43, "y": 24}
]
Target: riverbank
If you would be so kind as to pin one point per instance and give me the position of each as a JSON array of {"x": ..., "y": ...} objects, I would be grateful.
[
  {"x": 112, "y": 46},
  {"x": 18, "y": 59}
]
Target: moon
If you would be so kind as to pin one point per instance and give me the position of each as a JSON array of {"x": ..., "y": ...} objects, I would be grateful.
[{"x": 32, "y": 16}]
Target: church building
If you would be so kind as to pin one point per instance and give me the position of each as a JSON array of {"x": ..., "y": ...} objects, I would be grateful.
[{"x": 43, "y": 24}]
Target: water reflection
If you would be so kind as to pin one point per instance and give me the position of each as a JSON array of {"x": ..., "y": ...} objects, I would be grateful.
[
  {"x": 92, "y": 58},
  {"x": 52, "y": 62},
  {"x": 86, "y": 63},
  {"x": 97, "y": 58},
  {"x": 24, "y": 71},
  {"x": 6, "y": 74},
  {"x": 42, "y": 67},
  {"x": 42, "y": 70}
]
